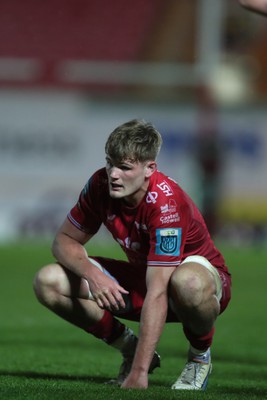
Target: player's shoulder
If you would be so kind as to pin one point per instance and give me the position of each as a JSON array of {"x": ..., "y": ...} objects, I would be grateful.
[
  {"x": 101, "y": 173},
  {"x": 97, "y": 181},
  {"x": 166, "y": 203},
  {"x": 164, "y": 185},
  {"x": 165, "y": 194},
  {"x": 99, "y": 177}
]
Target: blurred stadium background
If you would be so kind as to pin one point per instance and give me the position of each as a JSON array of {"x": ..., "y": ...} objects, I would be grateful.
[{"x": 72, "y": 70}]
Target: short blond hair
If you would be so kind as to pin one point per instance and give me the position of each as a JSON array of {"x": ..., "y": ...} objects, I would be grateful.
[{"x": 136, "y": 140}]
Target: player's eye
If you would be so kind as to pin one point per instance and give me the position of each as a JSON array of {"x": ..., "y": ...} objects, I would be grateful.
[
  {"x": 108, "y": 163},
  {"x": 125, "y": 167}
]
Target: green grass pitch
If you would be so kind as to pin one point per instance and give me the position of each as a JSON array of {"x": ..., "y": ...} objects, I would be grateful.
[{"x": 44, "y": 357}]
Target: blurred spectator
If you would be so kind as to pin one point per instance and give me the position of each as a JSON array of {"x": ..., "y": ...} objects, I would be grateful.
[
  {"x": 258, "y": 6},
  {"x": 208, "y": 155}
]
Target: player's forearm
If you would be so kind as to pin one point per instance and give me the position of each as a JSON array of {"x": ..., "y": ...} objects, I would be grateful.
[
  {"x": 71, "y": 254},
  {"x": 153, "y": 318},
  {"x": 151, "y": 325}
]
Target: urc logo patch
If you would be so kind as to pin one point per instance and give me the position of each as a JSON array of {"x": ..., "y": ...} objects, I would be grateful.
[{"x": 168, "y": 241}]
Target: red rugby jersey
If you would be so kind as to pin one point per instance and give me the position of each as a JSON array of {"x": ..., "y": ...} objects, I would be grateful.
[{"x": 162, "y": 230}]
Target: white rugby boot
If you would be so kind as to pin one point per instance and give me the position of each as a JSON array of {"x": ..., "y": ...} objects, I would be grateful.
[{"x": 195, "y": 373}]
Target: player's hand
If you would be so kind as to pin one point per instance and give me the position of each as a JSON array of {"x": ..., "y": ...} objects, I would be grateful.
[
  {"x": 135, "y": 381},
  {"x": 107, "y": 293}
]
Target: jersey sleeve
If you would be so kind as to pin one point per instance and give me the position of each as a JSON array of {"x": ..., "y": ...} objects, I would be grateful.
[
  {"x": 168, "y": 231},
  {"x": 86, "y": 214}
]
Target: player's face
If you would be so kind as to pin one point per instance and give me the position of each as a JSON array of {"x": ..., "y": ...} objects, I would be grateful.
[{"x": 129, "y": 180}]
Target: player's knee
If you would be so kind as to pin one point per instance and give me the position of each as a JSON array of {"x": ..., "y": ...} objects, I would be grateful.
[
  {"x": 44, "y": 283},
  {"x": 187, "y": 288}
]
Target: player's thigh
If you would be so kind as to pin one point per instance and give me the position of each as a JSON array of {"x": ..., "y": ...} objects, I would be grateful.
[
  {"x": 57, "y": 278},
  {"x": 197, "y": 274}
]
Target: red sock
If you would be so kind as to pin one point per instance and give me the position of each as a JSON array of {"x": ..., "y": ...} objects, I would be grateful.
[
  {"x": 107, "y": 329},
  {"x": 199, "y": 342}
]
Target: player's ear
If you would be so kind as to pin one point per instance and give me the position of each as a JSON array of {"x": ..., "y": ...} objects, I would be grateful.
[{"x": 150, "y": 168}]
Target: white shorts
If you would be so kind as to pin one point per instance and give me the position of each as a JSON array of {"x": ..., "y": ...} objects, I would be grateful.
[{"x": 203, "y": 261}]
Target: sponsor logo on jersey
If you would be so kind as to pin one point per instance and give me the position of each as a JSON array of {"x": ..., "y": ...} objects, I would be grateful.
[
  {"x": 165, "y": 188},
  {"x": 168, "y": 241},
  {"x": 169, "y": 212},
  {"x": 167, "y": 219},
  {"x": 169, "y": 208},
  {"x": 152, "y": 197}
]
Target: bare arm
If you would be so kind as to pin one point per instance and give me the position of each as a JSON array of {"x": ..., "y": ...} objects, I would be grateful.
[
  {"x": 257, "y": 6},
  {"x": 153, "y": 318},
  {"x": 68, "y": 249}
]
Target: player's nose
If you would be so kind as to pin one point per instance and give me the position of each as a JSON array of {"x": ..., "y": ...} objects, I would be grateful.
[{"x": 114, "y": 173}]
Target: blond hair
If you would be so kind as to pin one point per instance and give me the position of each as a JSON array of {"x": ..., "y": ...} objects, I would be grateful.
[{"x": 136, "y": 140}]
